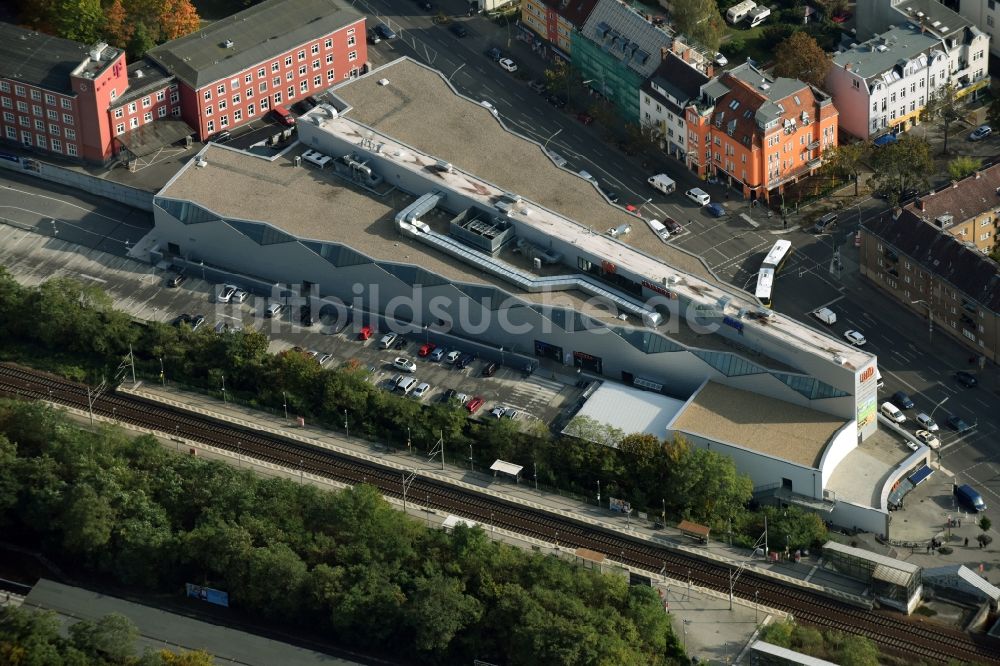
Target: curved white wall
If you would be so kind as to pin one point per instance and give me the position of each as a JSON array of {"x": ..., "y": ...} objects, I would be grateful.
[{"x": 844, "y": 441}]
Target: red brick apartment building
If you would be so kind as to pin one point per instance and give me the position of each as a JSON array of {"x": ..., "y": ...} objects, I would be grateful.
[{"x": 66, "y": 98}]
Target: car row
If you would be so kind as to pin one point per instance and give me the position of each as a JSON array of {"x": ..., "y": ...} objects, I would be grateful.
[{"x": 900, "y": 401}]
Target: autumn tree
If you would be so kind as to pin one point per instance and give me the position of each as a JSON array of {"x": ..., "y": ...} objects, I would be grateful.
[
  {"x": 700, "y": 20},
  {"x": 118, "y": 28},
  {"x": 177, "y": 18},
  {"x": 963, "y": 166},
  {"x": 801, "y": 57}
]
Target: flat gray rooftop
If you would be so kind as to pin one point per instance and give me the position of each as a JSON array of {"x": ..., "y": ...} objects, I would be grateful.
[
  {"x": 900, "y": 42},
  {"x": 419, "y": 109},
  {"x": 758, "y": 423},
  {"x": 159, "y": 629},
  {"x": 861, "y": 475}
]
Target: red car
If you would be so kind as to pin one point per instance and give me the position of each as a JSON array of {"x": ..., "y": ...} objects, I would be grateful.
[
  {"x": 585, "y": 118},
  {"x": 366, "y": 333},
  {"x": 284, "y": 116},
  {"x": 425, "y": 350},
  {"x": 474, "y": 404}
]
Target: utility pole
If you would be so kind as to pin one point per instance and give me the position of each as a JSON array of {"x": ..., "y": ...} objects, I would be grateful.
[
  {"x": 347, "y": 431},
  {"x": 407, "y": 482},
  {"x": 132, "y": 361},
  {"x": 284, "y": 401}
]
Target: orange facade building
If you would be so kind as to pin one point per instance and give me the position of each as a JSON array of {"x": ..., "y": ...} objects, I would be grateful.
[{"x": 759, "y": 133}]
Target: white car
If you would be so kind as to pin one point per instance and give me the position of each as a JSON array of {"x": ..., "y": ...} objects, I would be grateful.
[
  {"x": 855, "y": 338},
  {"x": 508, "y": 64},
  {"x": 720, "y": 60},
  {"x": 463, "y": 398},
  {"x": 498, "y": 411},
  {"x": 404, "y": 364},
  {"x": 489, "y": 107},
  {"x": 452, "y": 356},
  {"x": 927, "y": 422},
  {"x": 273, "y": 310},
  {"x": 325, "y": 358},
  {"x": 226, "y": 294},
  {"x": 699, "y": 196},
  {"x": 423, "y": 388},
  {"x": 438, "y": 354},
  {"x": 929, "y": 438},
  {"x": 239, "y": 296},
  {"x": 891, "y": 412}
]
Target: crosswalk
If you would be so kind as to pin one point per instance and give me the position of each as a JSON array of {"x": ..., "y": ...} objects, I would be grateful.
[{"x": 534, "y": 393}]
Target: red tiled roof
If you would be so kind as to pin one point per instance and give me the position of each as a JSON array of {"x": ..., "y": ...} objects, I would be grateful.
[
  {"x": 575, "y": 11},
  {"x": 966, "y": 199}
]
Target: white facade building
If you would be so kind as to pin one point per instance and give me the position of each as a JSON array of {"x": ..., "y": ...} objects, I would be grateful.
[
  {"x": 663, "y": 98},
  {"x": 883, "y": 84},
  {"x": 985, "y": 15}
]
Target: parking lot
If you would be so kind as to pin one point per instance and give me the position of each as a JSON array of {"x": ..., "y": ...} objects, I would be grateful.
[{"x": 142, "y": 291}]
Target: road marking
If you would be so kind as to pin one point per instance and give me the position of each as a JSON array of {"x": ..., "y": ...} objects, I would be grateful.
[
  {"x": 903, "y": 381},
  {"x": 947, "y": 389},
  {"x": 91, "y": 277}
]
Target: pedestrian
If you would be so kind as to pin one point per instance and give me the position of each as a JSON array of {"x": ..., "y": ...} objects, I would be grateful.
[
  {"x": 959, "y": 522},
  {"x": 928, "y": 548},
  {"x": 966, "y": 542}
]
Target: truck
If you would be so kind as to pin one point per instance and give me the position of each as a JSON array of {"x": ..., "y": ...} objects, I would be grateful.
[
  {"x": 970, "y": 497},
  {"x": 662, "y": 182},
  {"x": 826, "y": 315}
]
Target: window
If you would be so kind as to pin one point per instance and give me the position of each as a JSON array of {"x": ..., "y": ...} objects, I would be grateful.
[
  {"x": 250, "y": 110},
  {"x": 19, "y": 91},
  {"x": 161, "y": 95},
  {"x": 66, "y": 104},
  {"x": 71, "y": 149},
  {"x": 264, "y": 105},
  {"x": 208, "y": 95},
  {"x": 49, "y": 99},
  {"x": 5, "y": 101},
  {"x": 208, "y": 110},
  {"x": 22, "y": 106},
  {"x": 315, "y": 64},
  {"x": 131, "y": 107},
  {"x": 291, "y": 92},
  {"x": 302, "y": 70},
  {"x": 237, "y": 115},
  {"x": 8, "y": 116},
  {"x": 36, "y": 109},
  {"x": 120, "y": 128},
  {"x": 223, "y": 105},
  {"x": 329, "y": 75},
  {"x": 40, "y": 125},
  {"x": 329, "y": 58},
  {"x": 221, "y": 89},
  {"x": 275, "y": 66},
  {"x": 224, "y": 122},
  {"x": 352, "y": 40},
  {"x": 54, "y": 129},
  {"x": 304, "y": 86},
  {"x": 26, "y": 138},
  {"x": 145, "y": 102},
  {"x": 276, "y": 81},
  {"x": 24, "y": 121},
  {"x": 277, "y": 97},
  {"x": 147, "y": 117},
  {"x": 234, "y": 84},
  {"x": 40, "y": 140},
  {"x": 175, "y": 97},
  {"x": 989, "y": 20},
  {"x": 261, "y": 73},
  {"x": 236, "y": 99},
  {"x": 350, "y": 31},
  {"x": 248, "y": 78},
  {"x": 262, "y": 87},
  {"x": 328, "y": 44},
  {"x": 5, "y": 87},
  {"x": 133, "y": 123},
  {"x": 57, "y": 145},
  {"x": 352, "y": 56},
  {"x": 289, "y": 76},
  {"x": 288, "y": 61},
  {"x": 874, "y": 107},
  {"x": 315, "y": 49},
  {"x": 67, "y": 119},
  {"x": 992, "y": 4},
  {"x": 857, "y": 84},
  {"x": 211, "y": 126},
  {"x": 176, "y": 112},
  {"x": 161, "y": 112},
  {"x": 35, "y": 95},
  {"x": 12, "y": 133},
  {"x": 249, "y": 93},
  {"x": 317, "y": 81},
  {"x": 301, "y": 55}
]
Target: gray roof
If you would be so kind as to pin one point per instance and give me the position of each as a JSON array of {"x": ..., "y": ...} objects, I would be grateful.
[
  {"x": 955, "y": 572},
  {"x": 258, "y": 34},
  {"x": 773, "y": 90},
  {"x": 679, "y": 78},
  {"x": 144, "y": 77},
  {"x": 627, "y": 36},
  {"x": 881, "y": 53},
  {"x": 39, "y": 59},
  {"x": 158, "y": 628},
  {"x": 949, "y": 23}
]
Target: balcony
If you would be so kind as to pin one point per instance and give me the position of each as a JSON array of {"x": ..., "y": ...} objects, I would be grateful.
[{"x": 814, "y": 145}]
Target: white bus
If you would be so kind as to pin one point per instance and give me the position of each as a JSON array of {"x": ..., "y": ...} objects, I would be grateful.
[
  {"x": 765, "y": 282},
  {"x": 773, "y": 262}
]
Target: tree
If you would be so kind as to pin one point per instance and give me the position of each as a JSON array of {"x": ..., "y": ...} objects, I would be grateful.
[
  {"x": 118, "y": 28},
  {"x": 700, "y": 20},
  {"x": 993, "y": 113},
  {"x": 945, "y": 107},
  {"x": 848, "y": 161},
  {"x": 438, "y": 609},
  {"x": 178, "y": 18},
  {"x": 112, "y": 637},
  {"x": 87, "y": 521},
  {"x": 963, "y": 166},
  {"x": 800, "y": 57},
  {"x": 900, "y": 166},
  {"x": 985, "y": 524},
  {"x": 79, "y": 20},
  {"x": 9, "y": 483},
  {"x": 857, "y": 651},
  {"x": 140, "y": 42}
]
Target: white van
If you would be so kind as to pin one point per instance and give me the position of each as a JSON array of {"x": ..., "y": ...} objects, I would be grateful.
[
  {"x": 387, "y": 340},
  {"x": 826, "y": 315},
  {"x": 738, "y": 12},
  {"x": 661, "y": 231},
  {"x": 406, "y": 384},
  {"x": 757, "y": 15},
  {"x": 699, "y": 196},
  {"x": 879, "y": 384},
  {"x": 891, "y": 412},
  {"x": 662, "y": 182},
  {"x": 587, "y": 176}
]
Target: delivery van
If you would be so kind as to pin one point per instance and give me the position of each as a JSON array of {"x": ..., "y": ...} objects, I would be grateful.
[
  {"x": 662, "y": 182},
  {"x": 970, "y": 497},
  {"x": 826, "y": 315}
]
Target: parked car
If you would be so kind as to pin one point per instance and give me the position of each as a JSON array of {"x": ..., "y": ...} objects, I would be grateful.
[
  {"x": 452, "y": 356},
  {"x": 507, "y": 64},
  {"x": 463, "y": 398},
  {"x": 426, "y": 349},
  {"x": 306, "y": 316},
  {"x": 220, "y": 137},
  {"x": 557, "y": 101},
  {"x": 539, "y": 86},
  {"x": 239, "y": 296},
  {"x": 928, "y": 438},
  {"x": 958, "y": 424},
  {"x": 970, "y": 497},
  {"x": 891, "y": 412},
  {"x": 489, "y": 369},
  {"x": 855, "y": 338},
  {"x": 226, "y": 293},
  {"x": 464, "y": 360},
  {"x": 384, "y": 31},
  {"x": 473, "y": 405},
  {"x": 423, "y": 388},
  {"x": 401, "y": 343},
  {"x": 387, "y": 340},
  {"x": 458, "y": 30},
  {"x": 438, "y": 354},
  {"x": 184, "y": 318},
  {"x": 966, "y": 379},
  {"x": 699, "y": 196},
  {"x": 448, "y": 395},
  {"x": 720, "y": 59},
  {"x": 197, "y": 321},
  {"x": 366, "y": 333},
  {"x": 273, "y": 310},
  {"x": 489, "y": 107},
  {"x": 585, "y": 118},
  {"x": 672, "y": 225},
  {"x": 284, "y": 116},
  {"x": 373, "y": 36},
  {"x": 980, "y": 133},
  {"x": 176, "y": 280},
  {"x": 497, "y": 411},
  {"x": 511, "y": 413},
  {"x": 716, "y": 209},
  {"x": 902, "y": 400},
  {"x": 825, "y": 223},
  {"x": 927, "y": 422},
  {"x": 613, "y": 196},
  {"x": 325, "y": 358},
  {"x": 404, "y": 364}
]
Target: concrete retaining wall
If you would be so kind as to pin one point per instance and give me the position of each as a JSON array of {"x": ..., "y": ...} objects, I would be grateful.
[{"x": 125, "y": 194}]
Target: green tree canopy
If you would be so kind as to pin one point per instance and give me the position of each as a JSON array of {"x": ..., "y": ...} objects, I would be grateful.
[
  {"x": 800, "y": 57},
  {"x": 700, "y": 20},
  {"x": 900, "y": 166},
  {"x": 963, "y": 166}
]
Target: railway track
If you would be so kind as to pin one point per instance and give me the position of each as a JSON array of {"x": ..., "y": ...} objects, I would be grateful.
[{"x": 893, "y": 633}]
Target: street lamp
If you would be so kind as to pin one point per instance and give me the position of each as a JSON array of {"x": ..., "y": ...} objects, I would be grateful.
[
  {"x": 930, "y": 318},
  {"x": 501, "y": 356},
  {"x": 408, "y": 439},
  {"x": 938, "y": 405},
  {"x": 598, "y": 492},
  {"x": 686, "y": 623},
  {"x": 224, "y": 389},
  {"x": 284, "y": 402},
  {"x": 347, "y": 431},
  {"x": 163, "y": 379}
]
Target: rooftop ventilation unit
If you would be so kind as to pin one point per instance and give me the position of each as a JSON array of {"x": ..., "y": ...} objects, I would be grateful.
[
  {"x": 97, "y": 50},
  {"x": 228, "y": 44},
  {"x": 444, "y": 166},
  {"x": 139, "y": 74},
  {"x": 383, "y": 82},
  {"x": 201, "y": 162}
]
